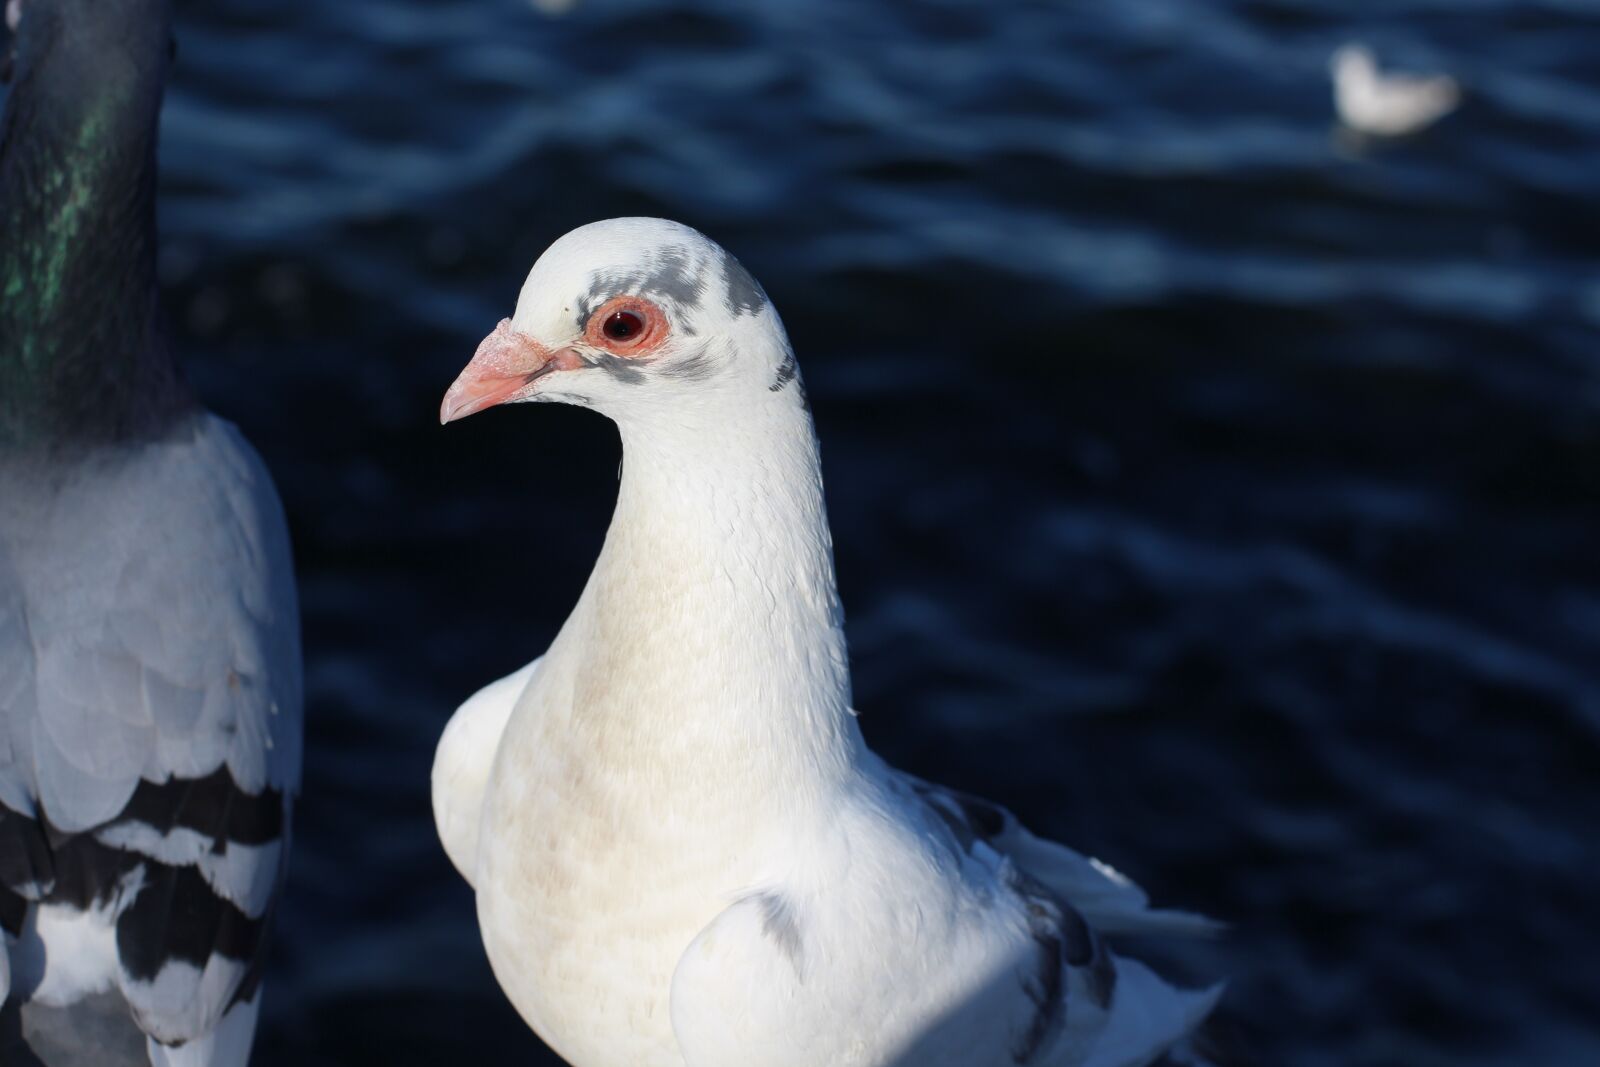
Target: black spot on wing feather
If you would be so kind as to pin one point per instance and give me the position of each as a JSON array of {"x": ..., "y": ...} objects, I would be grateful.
[
  {"x": 959, "y": 828},
  {"x": 88, "y": 873},
  {"x": 41, "y": 863},
  {"x": 1049, "y": 914},
  {"x": 213, "y": 805},
  {"x": 1046, "y": 984},
  {"x": 971, "y": 819},
  {"x": 176, "y": 914},
  {"x": 13, "y": 909},
  {"x": 1046, "y": 989},
  {"x": 988, "y": 820},
  {"x": 1063, "y": 941},
  {"x": 1102, "y": 976},
  {"x": 25, "y": 856}
]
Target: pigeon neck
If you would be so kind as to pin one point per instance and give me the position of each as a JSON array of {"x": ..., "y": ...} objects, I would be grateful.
[
  {"x": 82, "y": 355},
  {"x": 712, "y": 622}
]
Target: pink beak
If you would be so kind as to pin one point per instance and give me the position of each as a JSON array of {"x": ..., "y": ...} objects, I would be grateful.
[{"x": 503, "y": 370}]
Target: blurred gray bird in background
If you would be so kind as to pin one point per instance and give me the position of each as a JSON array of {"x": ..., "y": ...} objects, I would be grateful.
[{"x": 150, "y": 685}]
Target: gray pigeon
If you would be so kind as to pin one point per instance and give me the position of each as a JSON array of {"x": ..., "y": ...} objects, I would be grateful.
[{"x": 150, "y": 689}]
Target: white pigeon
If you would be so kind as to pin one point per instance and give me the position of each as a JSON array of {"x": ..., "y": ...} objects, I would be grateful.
[
  {"x": 1387, "y": 105},
  {"x": 149, "y": 637},
  {"x": 683, "y": 851}
]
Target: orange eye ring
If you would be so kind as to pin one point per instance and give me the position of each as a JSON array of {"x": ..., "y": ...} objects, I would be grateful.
[{"x": 629, "y": 326}]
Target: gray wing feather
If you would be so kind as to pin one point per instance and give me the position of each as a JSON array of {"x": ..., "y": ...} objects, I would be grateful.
[
  {"x": 149, "y": 637},
  {"x": 16, "y": 693},
  {"x": 162, "y": 618},
  {"x": 1106, "y": 898}
]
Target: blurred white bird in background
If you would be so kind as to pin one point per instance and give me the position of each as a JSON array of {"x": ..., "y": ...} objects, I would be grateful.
[{"x": 1387, "y": 105}]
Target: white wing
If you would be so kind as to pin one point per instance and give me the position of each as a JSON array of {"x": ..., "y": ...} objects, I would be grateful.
[
  {"x": 1148, "y": 1017},
  {"x": 462, "y": 762},
  {"x": 1110, "y": 901},
  {"x": 898, "y": 937}
]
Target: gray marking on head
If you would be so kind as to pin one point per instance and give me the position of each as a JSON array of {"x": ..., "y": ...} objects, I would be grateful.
[
  {"x": 789, "y": 371},
  {"x": 623, "y": 370},
  {"x": 745, "y": 296},
  {"x": 697, "y": 366},
  {"x": 778, "y": 923},
  {"x": 671, "y": 274}
]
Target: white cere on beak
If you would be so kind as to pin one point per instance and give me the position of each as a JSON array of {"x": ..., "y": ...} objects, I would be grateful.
[{"x": 13, "y": 14}]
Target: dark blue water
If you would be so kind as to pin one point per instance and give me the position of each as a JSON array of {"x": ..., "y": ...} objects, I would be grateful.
[{"x": 1217, "y": 491}]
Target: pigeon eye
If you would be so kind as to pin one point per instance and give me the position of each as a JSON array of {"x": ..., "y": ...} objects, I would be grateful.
[
  {"x": 629, "y": 326},
  {"x": 624, "y": 325}
]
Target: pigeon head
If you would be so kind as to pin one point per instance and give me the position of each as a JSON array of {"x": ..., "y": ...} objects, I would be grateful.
[
  {"x": 1353, "y": 61},
  {"x": 631, "y": 316}
]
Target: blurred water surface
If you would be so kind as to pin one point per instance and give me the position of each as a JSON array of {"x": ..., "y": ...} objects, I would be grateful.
[{"x": 1216, "y": 490}]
